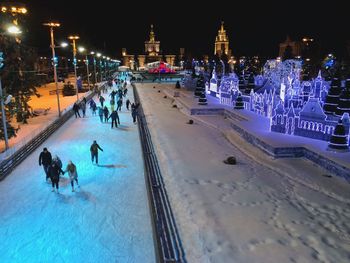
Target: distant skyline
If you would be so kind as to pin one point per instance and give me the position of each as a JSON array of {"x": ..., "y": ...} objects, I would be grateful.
[{"x": 253, "y": 29}]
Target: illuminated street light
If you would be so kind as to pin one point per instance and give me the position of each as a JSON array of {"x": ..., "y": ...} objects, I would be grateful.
[
  {"x": 2, "y": 99},
  {"x": 64, "y": 44},
  {"x": 13, "y": 29},
  {"x": 52, "y": 25}
]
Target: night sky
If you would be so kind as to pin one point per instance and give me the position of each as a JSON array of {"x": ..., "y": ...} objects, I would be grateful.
[{"x": 253, "y": 29}]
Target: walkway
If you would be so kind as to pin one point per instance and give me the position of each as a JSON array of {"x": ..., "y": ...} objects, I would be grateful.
[{"x": 106, "y": 220}]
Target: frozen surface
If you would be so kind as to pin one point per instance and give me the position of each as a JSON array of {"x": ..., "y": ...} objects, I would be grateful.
[
  {"x": 262, "y": 210},
  {"x": 106, "y": 220}
]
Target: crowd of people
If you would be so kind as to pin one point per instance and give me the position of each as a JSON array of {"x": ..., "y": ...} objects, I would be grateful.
[{"x": 53, "y": 165}]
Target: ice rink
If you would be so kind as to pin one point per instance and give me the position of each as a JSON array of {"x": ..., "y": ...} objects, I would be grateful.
[{"x": 107, "y": 219}]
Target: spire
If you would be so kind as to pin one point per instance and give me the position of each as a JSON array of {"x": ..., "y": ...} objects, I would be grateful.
[
  {"x": 222, "y": 26},
  {"x": 151, "y": 35}
]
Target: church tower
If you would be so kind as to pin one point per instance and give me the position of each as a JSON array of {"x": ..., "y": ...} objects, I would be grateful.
[{"x": 221, "y": 42}]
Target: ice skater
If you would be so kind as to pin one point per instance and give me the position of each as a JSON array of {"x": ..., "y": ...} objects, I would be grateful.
[
  {"x": 94, "y": 151},
  {"x": 100, "y": 113},
  {"x": 115, "y": 117},
  {"x": 45, "y": 159},
  {"x": 119, "y": 104},
  {"x": 76, "y": 110},
  {"x": 106, "y": 113},
  {"x": 127, "y": 104},
  {"x": 72, "y": 173},
  {"x": 55, "y": 172},
  {"x": 102, "y": 100},
  {"x": 134, "y": 113}
]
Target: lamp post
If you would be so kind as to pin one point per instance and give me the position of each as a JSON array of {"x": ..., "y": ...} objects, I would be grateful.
[
  {"x": 93, "y": 53},
  {"x": 14, "y": 29},
  {"x": 81, "y": 50},
  {"x": 52, "y": 25},
  {"x": 74, "y": 38},
  {"x": 100, "y": 63},
  {"x": 3, "y": 112}
]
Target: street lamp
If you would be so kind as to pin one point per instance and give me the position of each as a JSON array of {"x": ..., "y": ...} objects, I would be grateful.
[
  {"x": 74, "y": 38},
  {"x": 100, "y": 62},
  {"x": 93, "y": 53},
  {"x": 52, "y": 25},
  {"x": 2, "y": 103},
  {"x": 81, "y": 50}
]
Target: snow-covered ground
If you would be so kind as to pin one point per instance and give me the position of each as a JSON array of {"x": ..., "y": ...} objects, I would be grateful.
[
  {"x": 261, "y": 210},
  {"x": 106, "y": 220},
  {"x": 36, "y": 124}
]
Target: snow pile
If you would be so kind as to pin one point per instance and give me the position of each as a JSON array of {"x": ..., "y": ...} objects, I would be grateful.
[{"x": 260, "y": 210}]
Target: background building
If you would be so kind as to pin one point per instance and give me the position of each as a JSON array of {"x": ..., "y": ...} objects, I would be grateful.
[{"x": 151, "y": 54}]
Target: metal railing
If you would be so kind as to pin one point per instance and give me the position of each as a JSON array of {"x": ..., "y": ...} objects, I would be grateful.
[
  {"x": 16, "y": 154},
  {"x": 168, "y": 244}
]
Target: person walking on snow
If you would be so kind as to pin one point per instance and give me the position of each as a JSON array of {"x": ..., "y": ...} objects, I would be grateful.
[
  {"x": 45, "y": 159},
  {"x": 114, "y": 115},
  {"x": 72, "y": 173},
  {"x": 54, "y": 172},
  {"x": 76, "y": 110},
  {"x": 94, "y": 151}
]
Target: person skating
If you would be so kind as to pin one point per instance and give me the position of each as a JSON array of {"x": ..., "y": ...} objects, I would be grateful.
[
  {"x": 112, "y": 103},
  {"x": 57, "y": 160},
  {"x": 93, "y": 106},
  {"x": 83, "y": 107},
  {"x": 94, "y": 151},
  {"x": 127, "y": 104},
  {"x": 134, "y": 113},
  {"x": 45, "y": 159},
  {"x": 119, "y": 104},
  {"x": 76, "y": 110},
  {"x": 55, "y": 172},
  {"x": 102, "y": 100},
  {"x": 72, "y": 173},
  {"x": 100, "y": 113},
  {"x": 115, "y": 117},
  {"x": 106, "y": 113}
]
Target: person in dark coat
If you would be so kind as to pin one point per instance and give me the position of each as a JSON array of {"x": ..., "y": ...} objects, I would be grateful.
[
  {"x": 76, "y": 110},
  {"x": 125, "y": 91},
  {"x": 114, "y": 116},
  {"x": 133, "y": 113},
  {"x": 112, "y": 94},
  {"x": 127, "y": 104},
  {"x": 94, "y": 151},
  {"x": 45, "y": 159},
  {"x": 102, "y": 100},
  {"x": 106, "y": 113},
  {"x": 119, "y": 104},
  {"x": 83, "y": 107},
  {"x": 100, "y": 113},
  {"x": 55, "y": 172}
]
